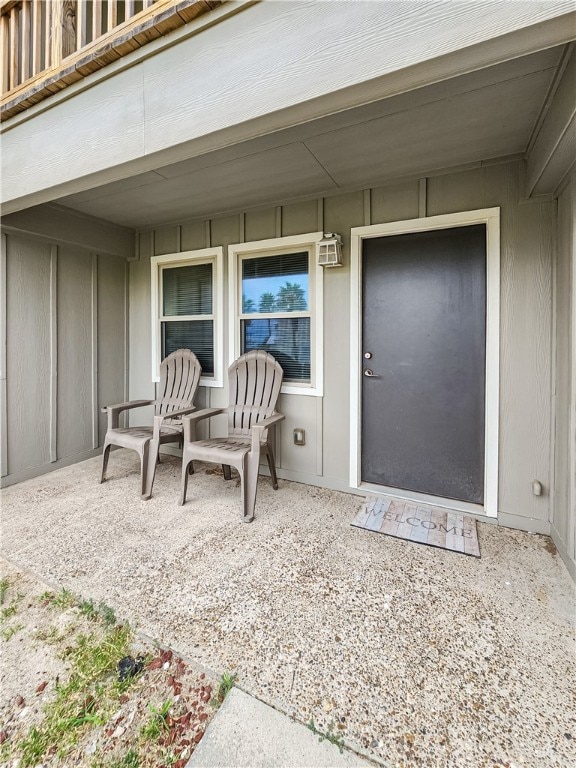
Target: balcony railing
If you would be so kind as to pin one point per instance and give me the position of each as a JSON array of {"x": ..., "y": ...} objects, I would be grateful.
[{"x": 48, "y": 44}]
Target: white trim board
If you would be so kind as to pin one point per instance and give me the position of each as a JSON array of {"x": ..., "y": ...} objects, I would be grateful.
[
  {"x": 3, "y": 374},
  {"x": 491, "y": 218},
  {"x": 270, "y": 247},
  {"x": 216, "y": 257}
]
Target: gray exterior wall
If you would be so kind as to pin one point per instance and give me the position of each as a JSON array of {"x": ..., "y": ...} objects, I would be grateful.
[
  {"x": 527, "y": 240},
  {"x": 65, "y": 310},
  {"x": 563, "y": 519}
]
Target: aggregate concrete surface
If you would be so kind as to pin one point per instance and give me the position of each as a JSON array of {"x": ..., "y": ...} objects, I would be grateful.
[{"x": 419, "y": 656}]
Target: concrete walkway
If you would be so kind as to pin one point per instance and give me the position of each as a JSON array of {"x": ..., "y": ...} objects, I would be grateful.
[{"x": 246, "y": 733}]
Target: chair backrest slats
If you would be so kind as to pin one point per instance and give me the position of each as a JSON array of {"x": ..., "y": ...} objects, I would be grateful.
[
  {"x": 268, "y": 387},
  {"x": 255, "y": 380},
  {"x": 181, "y": 381},
  {"x": 170, "y": 376},
  {"x": 179, "y": 378}
]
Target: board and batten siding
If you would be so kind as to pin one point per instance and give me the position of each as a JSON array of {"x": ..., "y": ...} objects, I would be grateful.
[
  {"x": 528, "y": 231},
  {"x": 66, "y": 312},
  {"x": 563, "y": 516}
]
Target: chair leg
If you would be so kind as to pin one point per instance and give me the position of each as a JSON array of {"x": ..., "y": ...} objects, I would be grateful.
[
  {"x": 227, "y": 471},
  {"x": 191, "y": 468},
  {"x": 105, "y": 457},
  {"x": 272, "y": 466},
  {"x": 249, "y": 485},
  {"x": 151, "y": 449},
  {"x": 146, "y": 476},
  {"x": 184, "y": 480}
]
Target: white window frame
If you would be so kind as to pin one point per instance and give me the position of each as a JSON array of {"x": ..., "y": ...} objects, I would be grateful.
[
  {"x": 491, "y": 218},
  {"x": 296, "y": 243},
  {"x": 214, "y": 256}
]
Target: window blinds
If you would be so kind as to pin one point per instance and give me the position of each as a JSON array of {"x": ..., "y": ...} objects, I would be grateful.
[{"x": 187, "y": 290}]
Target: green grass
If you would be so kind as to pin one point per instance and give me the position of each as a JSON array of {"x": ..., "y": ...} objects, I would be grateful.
[
  {"x": 157, "y": 722},
  {"x": 87, "y": 608},
  {"x": 86, "y": 697},
  {"x": 5, "y": 613},
  {"x": 227, "y": 682},
  {"x": 130, "y": 760},
  {"x": 10, "y": 631},
  {"x": 33, "y": 746},
  {"x": 84, "y": 700},
  {"x": 101, "y": 612},
  {"x": 63, "y": 599},
  {"x": 4, "y": 587},
  {"x": 329, "y": 735},
  {"x": 51, "y": 636},
  {"x": 107, "y": 615}
]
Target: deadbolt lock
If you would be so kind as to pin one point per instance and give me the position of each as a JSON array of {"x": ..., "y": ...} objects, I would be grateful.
[{"x": 368, "y": 355}]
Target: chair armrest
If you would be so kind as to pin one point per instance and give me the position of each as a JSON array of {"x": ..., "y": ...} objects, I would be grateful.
[
  {"x": 259, "y": 428},
  {"x": 190, "y": 421},
  {"x": 114, "y": 411},
  {"x": 126, "y": 406},
  {"x": 265, "y": 423},
  {"x": 159, "y": 420}
]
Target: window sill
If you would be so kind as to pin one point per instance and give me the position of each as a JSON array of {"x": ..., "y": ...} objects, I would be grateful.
[
  {"x": 305, "y": 389},
  {"x": 203, "y": 382}
]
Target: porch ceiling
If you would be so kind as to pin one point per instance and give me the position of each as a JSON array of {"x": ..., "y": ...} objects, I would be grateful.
[{"x": 485, "y": 114}]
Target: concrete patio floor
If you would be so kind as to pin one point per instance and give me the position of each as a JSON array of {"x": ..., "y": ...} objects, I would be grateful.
[{"x": 416, "y": 656}]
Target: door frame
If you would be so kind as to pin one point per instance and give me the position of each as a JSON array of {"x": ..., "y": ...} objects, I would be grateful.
[{"x": 491, "y": 218}]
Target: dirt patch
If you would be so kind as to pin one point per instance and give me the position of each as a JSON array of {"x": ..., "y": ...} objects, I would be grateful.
[
  {"x": 65, "y": 700},
  {"x": 549, "y": 546}
]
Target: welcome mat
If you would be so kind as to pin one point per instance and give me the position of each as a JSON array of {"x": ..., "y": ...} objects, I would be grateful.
[{"x": 421, "y": 523}]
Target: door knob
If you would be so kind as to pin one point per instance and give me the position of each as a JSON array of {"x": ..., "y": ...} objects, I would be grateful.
[{"x": 369, "y": 373}]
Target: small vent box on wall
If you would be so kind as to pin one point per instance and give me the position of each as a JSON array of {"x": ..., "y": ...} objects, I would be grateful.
[{"x": 329, "y": 250}]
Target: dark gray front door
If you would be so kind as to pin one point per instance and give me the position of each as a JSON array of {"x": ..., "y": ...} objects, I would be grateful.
[{"x": 424, "y": 339}]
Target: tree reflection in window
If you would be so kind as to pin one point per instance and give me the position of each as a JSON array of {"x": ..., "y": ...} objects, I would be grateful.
[{"x": 267, "y": 290}]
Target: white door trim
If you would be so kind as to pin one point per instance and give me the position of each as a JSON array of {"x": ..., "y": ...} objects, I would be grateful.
[{"x": 491, "y": 218}]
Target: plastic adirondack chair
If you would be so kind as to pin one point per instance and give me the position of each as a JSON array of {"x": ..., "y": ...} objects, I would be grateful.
[
  {"x": 179, "y": 378},
  {"x": 254, "y": 381}
]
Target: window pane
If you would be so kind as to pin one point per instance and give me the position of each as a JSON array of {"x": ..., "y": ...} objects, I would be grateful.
[
  {"x": 288, "y": 339},
  {"x": 187, "y": 290},
  {"x": 197, "y": 335},
  {"x": 275, "y": 283}
]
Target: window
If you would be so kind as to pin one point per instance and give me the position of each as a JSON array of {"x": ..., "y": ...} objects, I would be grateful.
[
  {"x": 187, "y": 309},
  {"x": 277, "y": 290}
]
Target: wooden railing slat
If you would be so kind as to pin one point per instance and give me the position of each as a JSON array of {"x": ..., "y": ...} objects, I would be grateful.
[
  {"x": 25, "y": 40},
  {"x": 47, "y": 8},
  {"x": 36, "y": 36},
  {"x": 129, "y": 5},
  {"x": 112, "y": 14},
  {"x": 96, "y": 19},
  {"x": 14, "y": 26},
  {"x": 80, "y": 24},
  {"x": 5, "y": 43},
  {"x": 68, "y": 28},
  {"x": 56, "y": 22}
]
